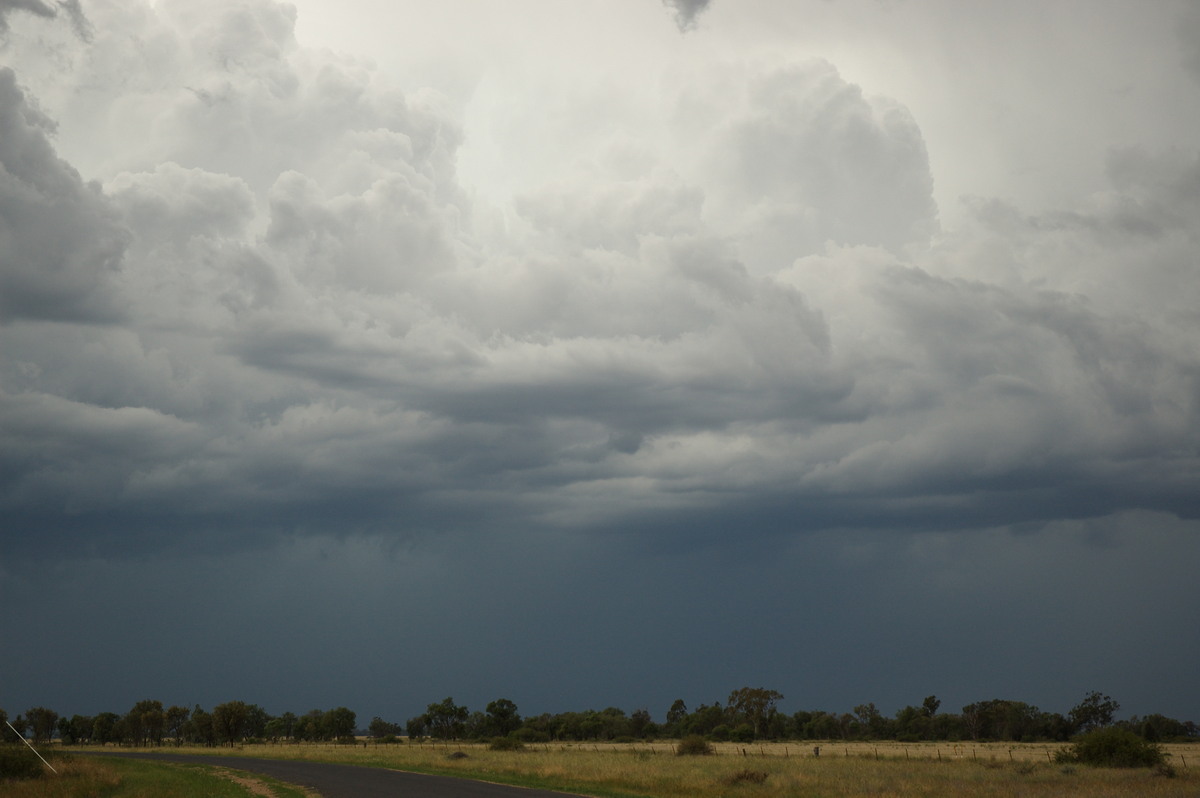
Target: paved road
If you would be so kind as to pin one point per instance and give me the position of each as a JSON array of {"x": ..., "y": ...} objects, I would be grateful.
[{"x": 353, "y": 781}]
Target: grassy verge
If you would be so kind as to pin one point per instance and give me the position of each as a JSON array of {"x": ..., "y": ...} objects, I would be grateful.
[
  {"x": 87, "y": 777},
  {"x": 770, "y": 771}
]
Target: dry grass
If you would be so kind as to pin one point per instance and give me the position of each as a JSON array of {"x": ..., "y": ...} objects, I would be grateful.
[
  {"x": 76, "y": 776},
  {"x": 885, "y": 769}
]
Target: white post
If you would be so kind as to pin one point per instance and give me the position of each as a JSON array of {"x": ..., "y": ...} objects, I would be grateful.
[{"x": 31, "y": 748}]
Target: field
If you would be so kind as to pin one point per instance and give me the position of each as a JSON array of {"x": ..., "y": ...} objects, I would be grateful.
[
  {"x": 90, "y": 777},
  {"x": 770, "y": 770}
]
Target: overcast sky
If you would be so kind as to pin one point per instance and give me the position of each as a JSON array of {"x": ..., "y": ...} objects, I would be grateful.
[{"x": 599, "y": 353}]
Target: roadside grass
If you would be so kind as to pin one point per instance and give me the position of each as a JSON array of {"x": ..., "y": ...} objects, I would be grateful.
[
  {"x": 639, "y": 770},
  {"x": 92, "y": 777}
]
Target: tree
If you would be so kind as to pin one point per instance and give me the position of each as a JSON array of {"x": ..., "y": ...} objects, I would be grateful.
[
  {"x": 929, "y": 706},
  {"x": 1095, "y": 711},
  {"x": 42, "y": 721},
  {"x": 176, "y": 719},
  {"x": 256, "y": 721},
  {"x": 76, "y": 730},
  {"x": 229, "y": 721},
  {"x": 104, "y": 727},
  {"x": 446, "y": 719},
  {"x": 503, "y": 718},
  {"x": 199, "y": 729},
  {"x": 415, "y": 727},
  {"x": 676, "y": 716},
  {"x": 288, "y": 721},
  {"x": 20, "y": 725},
  {"x": 310, "y": 726},
  {"x": 143, "y": 724},
  {"x": 381, "y": 728},
  {"x": 1000, "y": 719},
  {"x": 754, "y": 705},
  {"x": 641, "y": 725},
  {"x": 339, "y": 724},
  {"x": 870, "y": 720}
]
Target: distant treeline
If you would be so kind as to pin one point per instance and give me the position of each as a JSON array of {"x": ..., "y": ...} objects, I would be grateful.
[{"x": 750, "y": 713}]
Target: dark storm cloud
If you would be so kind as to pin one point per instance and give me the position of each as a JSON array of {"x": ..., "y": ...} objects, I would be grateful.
[
  {"x": 687, "y": 11},
  {"x": 61, "y": 245},
  {"x": 363, "y": 347},
  {"x": 281, "y": 344}
]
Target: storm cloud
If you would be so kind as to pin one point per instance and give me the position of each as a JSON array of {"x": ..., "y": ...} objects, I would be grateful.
[
  {"x": 259, "y": 331},
  {"x": 686, "y": 11}
]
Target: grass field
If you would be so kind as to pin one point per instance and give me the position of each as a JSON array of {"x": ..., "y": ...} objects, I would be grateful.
[
  {"x": 90, "y": 777},
  {"x": 772, "y": 770}
]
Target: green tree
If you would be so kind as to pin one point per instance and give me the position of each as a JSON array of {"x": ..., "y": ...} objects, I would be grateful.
[
  {"x": 309, "y": 726},
  {"x": 676, "y": 716},
  {"x": 503, "y": 718},
  {"x": 381, "y": 728},
  {"x": 143, "y": 723},
  {"x": 446, "y": 719},
  {"x": 175, "y": 719},
  {"x": 256, "y": 721},
  {"x": 1095, "y": 711},
  {"x": 199, "y": 729},
  {"x": 75, "y": 731},
  {"x": 754, "y": 705},
  {"x": 229, "y": 721},
  {"x": 288, "y": 720},
  {"x": 42, "y": 721},
  {"x": 641, "y": 725},
  {"x": 1000, "y": 719},
  {"x": 104, "y": 728},
  {"x": 20, "y": 725},
  {"x": 415, "y": 727},
  {"x": 870, "y": 721},
  {"x": 338, "y": 724}
]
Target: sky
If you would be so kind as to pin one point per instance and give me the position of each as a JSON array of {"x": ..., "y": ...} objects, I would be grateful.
[{"x": 599, "y": 353}]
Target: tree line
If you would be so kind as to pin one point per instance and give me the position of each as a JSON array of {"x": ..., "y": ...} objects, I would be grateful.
[
  {"x": 147, "y": 723},
  {"x": 748, "y": 714}
]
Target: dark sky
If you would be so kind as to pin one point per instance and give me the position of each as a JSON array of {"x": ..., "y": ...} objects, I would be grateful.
[{"x": 598, "y": 354}]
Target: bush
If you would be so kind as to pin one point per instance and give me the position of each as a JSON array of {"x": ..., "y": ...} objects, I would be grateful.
[
  {"x": 528, "y": 735},
  {"x": 746, "y": 777},
  {"x": 742, "y": 734},
  {"x": 18, "y": 762},
  {"x": 694, "y": 745},
  {"x": 1112, "y": 747},
  {"x": 506, "y": 744}
]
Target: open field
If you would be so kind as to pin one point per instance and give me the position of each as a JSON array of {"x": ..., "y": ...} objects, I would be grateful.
[{"x": 770, "y": 770}]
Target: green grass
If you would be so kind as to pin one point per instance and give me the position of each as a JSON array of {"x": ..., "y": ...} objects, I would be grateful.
[{"x": 91, "y": 777}]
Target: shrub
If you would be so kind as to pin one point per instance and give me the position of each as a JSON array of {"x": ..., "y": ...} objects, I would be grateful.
[
  {"x": 742, "y": 734},
  {"x": 693, "y": 745},
  {"x": 19, "y": 763},
  {"x": 1112, "y": 747},
  {"x": 528, "y": 735},
  {"x": 746, "y": 777},
  {"x": 506, "y": 744}
]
